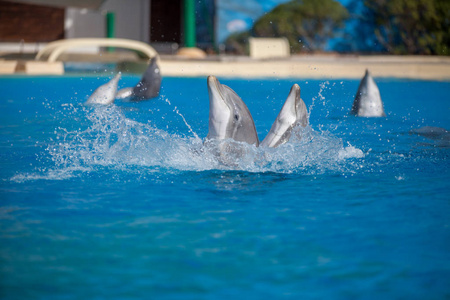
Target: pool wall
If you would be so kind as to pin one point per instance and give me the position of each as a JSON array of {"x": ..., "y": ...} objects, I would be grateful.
[{"x": 301, "y": 66}]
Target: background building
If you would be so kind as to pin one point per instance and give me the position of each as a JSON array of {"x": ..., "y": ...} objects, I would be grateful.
[{"x": 27, "y": 24}]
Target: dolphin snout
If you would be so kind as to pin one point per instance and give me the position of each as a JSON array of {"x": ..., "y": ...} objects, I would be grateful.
[{"x": 211, "y": 79}]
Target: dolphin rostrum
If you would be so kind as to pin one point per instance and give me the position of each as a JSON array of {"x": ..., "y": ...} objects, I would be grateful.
[
  {"x": 367, "y": 101},
  {"x": 292, "y": 114},
  {"x": 229, "y": 117},
  {"x": 106, "y": 93},
  {"x": 148, "y": 87}
]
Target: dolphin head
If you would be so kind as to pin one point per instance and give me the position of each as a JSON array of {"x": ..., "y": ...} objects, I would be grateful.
[
  {"x": 368, "y": 101},
  {"x": 292, "y": 113},
  {"x": 229, "y": 117}
]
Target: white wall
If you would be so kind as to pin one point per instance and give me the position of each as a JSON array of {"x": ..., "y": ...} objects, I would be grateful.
[{"x": 132, "y": 20}]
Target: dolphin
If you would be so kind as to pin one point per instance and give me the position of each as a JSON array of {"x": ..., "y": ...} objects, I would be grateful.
[
  {"x": 229, "y": 117},
  {"x": 367, "y": 101},
  {"x": 440, "y": 135},
  {"x": 148, "y": 87},
  {"x": 292, "y": 114},
  {"x": 106, "y": 93}
]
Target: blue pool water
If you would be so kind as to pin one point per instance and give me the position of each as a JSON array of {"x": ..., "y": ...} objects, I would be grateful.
[{"x": 125, "y": 201}]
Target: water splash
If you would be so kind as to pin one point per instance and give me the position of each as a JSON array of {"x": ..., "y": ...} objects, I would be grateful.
[
  {"x": 175, "y": 110},
  {"x": 320, "y": 97},
  {"x": 114, "y": 141}
]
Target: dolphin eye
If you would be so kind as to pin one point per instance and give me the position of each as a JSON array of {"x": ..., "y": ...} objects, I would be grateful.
[{"x": 236, "y": 117}]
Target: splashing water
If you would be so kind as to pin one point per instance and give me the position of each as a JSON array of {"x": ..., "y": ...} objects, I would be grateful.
[
  {"x": 89, "y": 190},
  {"x": 117, "y": 142},
  {"x": 175, "y": 110}
]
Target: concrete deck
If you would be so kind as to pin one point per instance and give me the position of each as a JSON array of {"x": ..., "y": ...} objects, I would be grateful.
[
  {"x": 300, "y": 66},
  {"x": 414, "y": 67}
]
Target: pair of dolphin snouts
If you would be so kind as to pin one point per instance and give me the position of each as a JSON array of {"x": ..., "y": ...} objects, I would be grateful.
[{"x": 230, "y": 118}]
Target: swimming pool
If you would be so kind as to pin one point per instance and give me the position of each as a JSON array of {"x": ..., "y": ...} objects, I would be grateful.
[{"x": 125, "y": 202}]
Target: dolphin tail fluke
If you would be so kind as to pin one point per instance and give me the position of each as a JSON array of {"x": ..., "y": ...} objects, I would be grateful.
[
  {"x": 106, "y": 93},
  {"x": 292, "y": 114}
]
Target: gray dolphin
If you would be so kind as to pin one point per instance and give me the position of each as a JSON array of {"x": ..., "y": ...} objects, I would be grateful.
[
  {"x": 106, "y": 93},
  {"x": 229, "y": 117},
  {"x": 367, "y": 101},
  {"x": 148, "y": 87},
  {"x": 440, "y": 135},
  {"x": 292, "y": 113}
]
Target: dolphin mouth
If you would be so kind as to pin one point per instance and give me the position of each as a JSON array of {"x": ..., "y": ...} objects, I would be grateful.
[
  {"x": 214, "y": 87},
  {"x": 296, "y": 90},
  {"x": 217, "y": 98},
  {"x": 219, "y": 112},
  {"x": 292, "y": 114}
]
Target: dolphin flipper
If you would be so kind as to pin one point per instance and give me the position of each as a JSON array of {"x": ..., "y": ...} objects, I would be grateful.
[
  {"x": 367, "y": 101},
  {"x": 292, "y": 113},
  {"x": 150, "y": 83},
  {"x": 148, "y": 87},
  {"x": 106, "y": 93}
]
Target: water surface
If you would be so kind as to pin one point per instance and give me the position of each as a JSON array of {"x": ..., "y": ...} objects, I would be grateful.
[{"x": 126, "y": 202}]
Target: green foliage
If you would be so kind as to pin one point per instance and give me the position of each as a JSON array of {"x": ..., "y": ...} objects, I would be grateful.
[
  {"x": 395, "y": 26},
  {"x": 238, "y": 42},
  {"x": 307, "y": 24},
  {"x": 412, "y": 26}
]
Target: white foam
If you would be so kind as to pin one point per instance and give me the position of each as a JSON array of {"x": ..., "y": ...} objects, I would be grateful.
[
  {"x": 350, "y": 152},
  {"x": 51, "y": 174},
  {"x": 116, "y": 142}
]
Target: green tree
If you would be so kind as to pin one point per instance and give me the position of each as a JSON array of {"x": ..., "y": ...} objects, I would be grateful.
[
  {"x": 411, "y": 26},
  {"x": 238, "y": 42},
  {"x": 307, "y": 24}
]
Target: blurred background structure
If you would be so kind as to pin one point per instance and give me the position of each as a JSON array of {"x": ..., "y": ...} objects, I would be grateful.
[
  {"x": 224, "y": 26},
  {"x": 28, "y": 24}
]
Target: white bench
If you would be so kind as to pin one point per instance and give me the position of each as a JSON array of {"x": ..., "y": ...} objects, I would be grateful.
[
  {"x": 261, "y": 48},
  {"x": 8, "y": 66}
]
